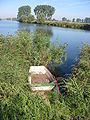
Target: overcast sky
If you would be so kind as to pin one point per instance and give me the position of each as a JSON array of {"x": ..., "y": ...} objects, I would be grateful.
[{"x": 68, "y": 8}]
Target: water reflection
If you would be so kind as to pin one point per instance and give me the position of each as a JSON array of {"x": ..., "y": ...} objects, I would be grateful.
[
  {"x": 23, "y": 27},
  {"x": 46, "y": 28},
  {"x": 47, "y": 31},
  {"x": 34, "y": 27}
]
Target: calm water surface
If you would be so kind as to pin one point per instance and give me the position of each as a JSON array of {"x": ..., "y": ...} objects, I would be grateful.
[{"x": 74, "y": 39}]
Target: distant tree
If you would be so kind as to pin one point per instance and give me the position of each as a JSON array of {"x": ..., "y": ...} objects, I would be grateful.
[
  {"x": 54, "y": 19},
  {"x": 82, "y": 20},
  {"x": 41, "y": 18},
  {"x": 8, "y": 18},
  {"x": 23, "y": 11},
  {"x": 30, "y": 18},
  {"x": 14, "y": 19},
  {"x": 73, "y": 20},
  {"x": 0, "y": 19},
  {"x": 64, "y": 19},
  {"x": 78, "y": 20},
  {"x": 47, "y": 10},
  {"x": 68, "y": 20},
  {"x": 87, "y": 20}
]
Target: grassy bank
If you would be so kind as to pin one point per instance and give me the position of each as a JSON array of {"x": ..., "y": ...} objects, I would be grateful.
[
  {"x": 17, "y": 102},
  {"x": 72, "y": 25}
]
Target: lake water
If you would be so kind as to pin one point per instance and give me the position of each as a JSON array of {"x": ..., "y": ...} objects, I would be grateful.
[{"x": 74, "y": 39}]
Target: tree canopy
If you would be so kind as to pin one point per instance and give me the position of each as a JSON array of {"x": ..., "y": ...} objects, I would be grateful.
[
  {"x": 30, "y": 18},
  {"x": 24, "y": 10},
  {"x": 41, "y": 18},
  {"x": 47, "y": 10},
  {"x": 64, "y": 19},
  {"x": 78, "y": 20},
  {"x": 87, "y": 20}
]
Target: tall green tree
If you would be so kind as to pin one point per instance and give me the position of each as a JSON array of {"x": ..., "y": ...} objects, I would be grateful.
[
  {"x": 41, "y": 18},
  {"x": 24, "y": 10},
  {"x": 23, "y": 18},
  {"x": 30, "y": 18},
  {"x": 47, "y": 10}
]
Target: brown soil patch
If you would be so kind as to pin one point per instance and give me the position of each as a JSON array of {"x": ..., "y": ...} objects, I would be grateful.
[{"x": 40, "y": 78}]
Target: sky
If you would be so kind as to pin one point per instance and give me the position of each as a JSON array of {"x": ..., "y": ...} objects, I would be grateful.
[{"x": 64, "y": 8}]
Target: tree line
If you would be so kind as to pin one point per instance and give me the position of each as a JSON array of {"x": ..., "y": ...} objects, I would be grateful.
[
  {"x": 42, "y": 12},
  {"x": 85, "y": 20}
]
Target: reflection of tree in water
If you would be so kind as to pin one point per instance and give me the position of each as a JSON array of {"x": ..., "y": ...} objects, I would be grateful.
[
  {"x": 48, "y": 31},
  {"x": 35, "y": 27},
  {"x": 23, "y": 27}
]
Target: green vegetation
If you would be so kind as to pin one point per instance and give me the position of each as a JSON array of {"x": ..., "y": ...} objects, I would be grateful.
[
  {"x": 69, "y": 25},
  {"x": 18, "y": 53},
  {"x": 44, "y": 14},
  {"x": 14, "y": 19},
  {"x": 30, "y": 18},
  {"x": 17, "y": 102},
  {"x": 78, "y": 86},
  {"x": 87, "y": 20},
  {"x": 24, "y": 14},
  {"x": 43, "y": 84},
  {"x": 8, "y": 18},
  {"x": 26, "y": 19},
  {"x": 40, "y": 18},
  {"x": 64, "y": 19},
  {"x": 23, "y": 18},
  {"x": 79, "y": 20},
  {"x": 24, "y": 10},
  {"x": 47, "y": 10}
]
